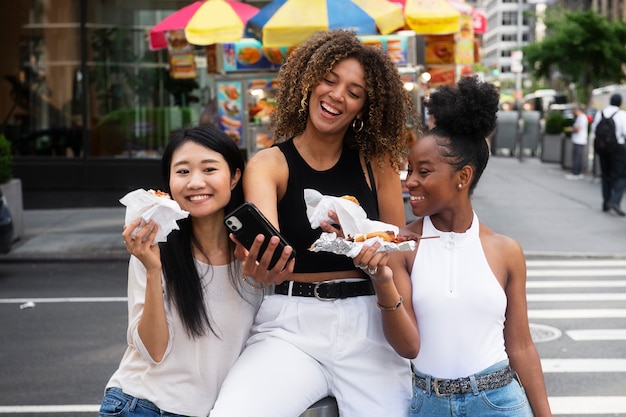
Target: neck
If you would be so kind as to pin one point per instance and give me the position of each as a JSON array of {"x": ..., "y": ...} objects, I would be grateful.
[
  {"x": 453, "y": 221},
  {"x": 211, "y": 240},
  {"x": 320, "y": 152}
]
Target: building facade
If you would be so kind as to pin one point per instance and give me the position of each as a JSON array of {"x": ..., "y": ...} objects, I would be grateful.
[{"x": 86, "y": 105}]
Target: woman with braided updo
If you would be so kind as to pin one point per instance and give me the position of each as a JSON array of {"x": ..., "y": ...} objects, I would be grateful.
[
  {"x": 340, "y": 123},
  {"x": 457, "y": 305}
]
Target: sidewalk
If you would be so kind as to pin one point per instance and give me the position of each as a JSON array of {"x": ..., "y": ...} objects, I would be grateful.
[{"x": 530, "y": 201}]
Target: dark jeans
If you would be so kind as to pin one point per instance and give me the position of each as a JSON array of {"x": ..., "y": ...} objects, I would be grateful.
[
  {"x": 578, "y": 162},
  {"x": 613, "y": 172}
]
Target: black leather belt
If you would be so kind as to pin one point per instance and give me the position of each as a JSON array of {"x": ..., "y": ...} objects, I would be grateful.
[
  {"x": 326, "y": 290},
  {"x": 446, "y": 387}
]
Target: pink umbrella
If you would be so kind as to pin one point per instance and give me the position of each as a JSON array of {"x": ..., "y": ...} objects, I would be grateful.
[{"x": 205, "y": 22}]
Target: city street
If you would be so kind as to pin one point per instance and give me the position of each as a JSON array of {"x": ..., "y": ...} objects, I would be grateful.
[{"x": 64, "y": 333}]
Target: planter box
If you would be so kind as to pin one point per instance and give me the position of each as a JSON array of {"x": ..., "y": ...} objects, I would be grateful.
[
  {"x": 551, "y": 148},
  {"x": 12, "y": 191}
]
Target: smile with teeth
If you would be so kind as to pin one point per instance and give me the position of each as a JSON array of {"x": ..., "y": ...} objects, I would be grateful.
[
  {"x": 330, "y": 110},
  {"x": 198, "y": 197},
  {"x": 416, "y": 197}
]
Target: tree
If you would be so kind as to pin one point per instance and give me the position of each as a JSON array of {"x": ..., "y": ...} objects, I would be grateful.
[{"x": 584, "y": 47}]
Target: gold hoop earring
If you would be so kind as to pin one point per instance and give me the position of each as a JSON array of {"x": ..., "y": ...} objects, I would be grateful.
[{"x": 360, "y": 125}]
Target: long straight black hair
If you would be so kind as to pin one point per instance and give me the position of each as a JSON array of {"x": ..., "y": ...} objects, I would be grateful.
[{"x": 182, "y": 278}]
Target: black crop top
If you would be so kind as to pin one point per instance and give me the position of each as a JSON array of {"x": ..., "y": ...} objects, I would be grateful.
[{"x": 346, "y": 177}]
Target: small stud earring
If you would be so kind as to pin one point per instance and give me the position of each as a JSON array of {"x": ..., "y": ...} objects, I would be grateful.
[{"x": 459, "y": 186}]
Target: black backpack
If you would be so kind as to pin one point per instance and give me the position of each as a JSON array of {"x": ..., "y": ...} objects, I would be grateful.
[{"x": 606, "y": 138}]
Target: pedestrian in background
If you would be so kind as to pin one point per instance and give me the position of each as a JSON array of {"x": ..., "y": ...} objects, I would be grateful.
[
  {"x": 613, "y": 164},
  {"x": 457, "y": 305},
  {"x": 579, "y": 131},
  {"x": 189, "y": 314},
  {"x": 341, "y": 116}
]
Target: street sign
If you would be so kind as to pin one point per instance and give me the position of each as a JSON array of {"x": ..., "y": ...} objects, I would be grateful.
[{"x": 516, "y": 61}]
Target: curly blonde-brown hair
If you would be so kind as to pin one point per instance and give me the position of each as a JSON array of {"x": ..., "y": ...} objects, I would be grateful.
[{"x": 387, "y": 108}]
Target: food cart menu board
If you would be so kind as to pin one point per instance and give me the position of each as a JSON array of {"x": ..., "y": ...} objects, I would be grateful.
[
  {"x": 249, "y": 54},
  {"x": 230, "y": 105}
]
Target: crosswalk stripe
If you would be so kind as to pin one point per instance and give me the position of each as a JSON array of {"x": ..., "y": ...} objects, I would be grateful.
[
  {"x": 577, "y": 313},
  {"x": 583, "y": 365},
  {"x": 63, "y": 300},
  {"x": 577, "y": 297},
  {"x": 562, "y": 263},
  {"x": 39, "y": 409},
  {"x": 559, "y": 406},
  {"x": 597, "y": 334},
  {"x": 587, "y": 405},
  {"x": 596, "y": 272},
  {"x": 577, "y": 284}
]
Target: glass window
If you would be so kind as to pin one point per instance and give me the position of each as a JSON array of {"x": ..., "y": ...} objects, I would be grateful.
[
  {"x": 110, "y": 96},
  {"x": 509, "y": 18}
]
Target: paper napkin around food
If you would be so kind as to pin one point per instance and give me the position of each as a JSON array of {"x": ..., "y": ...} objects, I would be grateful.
[
  {"x": 164, "y": 211},
  {"x": 353, "y": 220}
]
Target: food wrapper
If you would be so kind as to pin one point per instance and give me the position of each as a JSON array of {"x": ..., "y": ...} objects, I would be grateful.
[
  {"x": 329, "y": 242},
  {"x": 164, "y": 211},
  {"x": 353, "y": 220}
]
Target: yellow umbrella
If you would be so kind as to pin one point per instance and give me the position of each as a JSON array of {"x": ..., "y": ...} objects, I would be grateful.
[
  {"x": 431, "y": 17},
  {"x": 389, "y": 17},
  {"x": 217, "y": 21}
]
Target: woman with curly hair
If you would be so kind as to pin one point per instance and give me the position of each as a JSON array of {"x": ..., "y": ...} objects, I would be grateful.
[
  {"x": 457, "y": 305},
  {"x": 340, "y": 120}
]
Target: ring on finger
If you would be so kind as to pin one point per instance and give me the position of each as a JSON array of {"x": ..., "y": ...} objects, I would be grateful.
[{"x": 372, "y": 271}]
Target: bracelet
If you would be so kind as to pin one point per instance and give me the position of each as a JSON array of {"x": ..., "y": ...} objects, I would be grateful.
[
  {"x": 394, "y": 308},
  {"x": 253, "y": 284}
]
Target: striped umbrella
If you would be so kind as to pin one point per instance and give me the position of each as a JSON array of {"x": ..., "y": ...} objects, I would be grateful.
[
  {"x": 290, "y": 22},
  {"x": 205, "y": 23}
]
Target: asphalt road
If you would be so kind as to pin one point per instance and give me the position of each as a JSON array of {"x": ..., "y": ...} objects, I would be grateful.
[
  {"x": 64, "y": 324},
  {"x": 61, "y": 351}
]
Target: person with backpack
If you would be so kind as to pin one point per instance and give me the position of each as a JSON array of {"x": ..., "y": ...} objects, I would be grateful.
[{"x": 609, "y": 127}]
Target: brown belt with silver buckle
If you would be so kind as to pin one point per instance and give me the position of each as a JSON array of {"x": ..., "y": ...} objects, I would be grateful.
[
  {"x": 326, "y": 290},
  {"x": 445, "y": 387}
]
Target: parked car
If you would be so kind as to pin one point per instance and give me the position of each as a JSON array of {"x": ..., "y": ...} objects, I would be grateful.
[{"x": 6, "y": 226}]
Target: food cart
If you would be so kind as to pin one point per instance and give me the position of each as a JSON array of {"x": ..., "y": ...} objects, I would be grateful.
[{"x": 244, "y": 77}]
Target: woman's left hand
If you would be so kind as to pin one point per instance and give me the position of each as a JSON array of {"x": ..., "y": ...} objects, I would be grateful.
[{"x": 374, "y": 262}]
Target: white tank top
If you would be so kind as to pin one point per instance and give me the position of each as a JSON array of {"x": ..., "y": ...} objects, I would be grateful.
[{"x": 459, "y": 304}]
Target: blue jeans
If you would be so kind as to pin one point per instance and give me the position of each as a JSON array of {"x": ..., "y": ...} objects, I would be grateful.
[
  {"x": 508, "y": 401},
  {"x": 117, "y": 403}
]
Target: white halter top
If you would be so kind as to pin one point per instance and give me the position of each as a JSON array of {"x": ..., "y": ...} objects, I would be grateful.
[{"x": 459, "y": 304}]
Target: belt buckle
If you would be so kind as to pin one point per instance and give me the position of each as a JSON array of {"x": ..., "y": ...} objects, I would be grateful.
[
  {"x": 435, "y": 385},
  {"x": 316, "y": 293}
]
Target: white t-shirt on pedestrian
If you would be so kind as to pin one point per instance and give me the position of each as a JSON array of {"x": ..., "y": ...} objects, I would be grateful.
[{"x": 579, "y": 135}]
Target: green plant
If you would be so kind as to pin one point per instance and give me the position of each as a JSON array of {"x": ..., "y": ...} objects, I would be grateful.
[
  {"x": 6, "y": 158},
  {"x": 554, "y": 123}
]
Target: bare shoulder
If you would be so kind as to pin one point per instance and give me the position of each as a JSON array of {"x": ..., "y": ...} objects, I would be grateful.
[
  {"x": 504, "y": 254},
  {"x": 267, "y": 164},
  {"x": 492, "y": 239},
  {"x": 266, "y": 158}
]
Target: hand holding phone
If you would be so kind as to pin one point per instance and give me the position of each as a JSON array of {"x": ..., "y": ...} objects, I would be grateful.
[{"x": 246, "y": 222}]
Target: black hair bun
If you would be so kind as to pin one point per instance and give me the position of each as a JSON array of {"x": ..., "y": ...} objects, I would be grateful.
[{"x": 467, "y": 109}]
